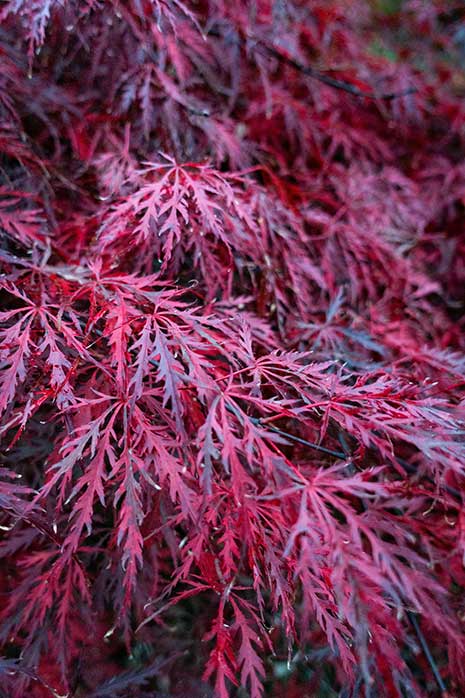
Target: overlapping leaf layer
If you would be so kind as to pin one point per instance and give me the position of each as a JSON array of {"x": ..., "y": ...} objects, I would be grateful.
[{"x": 232, "y": 349}]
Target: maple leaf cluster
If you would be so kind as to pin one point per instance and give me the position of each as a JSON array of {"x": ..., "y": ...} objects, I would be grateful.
[{"x": 232, "y": 355}]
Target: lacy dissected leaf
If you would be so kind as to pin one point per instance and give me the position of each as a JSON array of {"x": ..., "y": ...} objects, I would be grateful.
[{"x": 232, "y": 348}]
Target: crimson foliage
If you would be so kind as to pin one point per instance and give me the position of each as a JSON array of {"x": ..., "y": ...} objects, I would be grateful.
[{"x": 232, "y": 350}]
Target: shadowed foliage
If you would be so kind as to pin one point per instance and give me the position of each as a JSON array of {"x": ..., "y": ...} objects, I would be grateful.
[{"x": 231, "y": 349}]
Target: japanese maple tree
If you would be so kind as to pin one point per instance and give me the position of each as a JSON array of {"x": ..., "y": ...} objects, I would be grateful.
[{"x": 232, "y": 349}]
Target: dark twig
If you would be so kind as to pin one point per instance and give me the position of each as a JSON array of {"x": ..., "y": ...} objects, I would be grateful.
[
  {"x": 427, "y": 652},
  {"x": 313, "y": 73},
  {"x": 297, "y": 439},
  {"x": 327, "y": 80}
]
